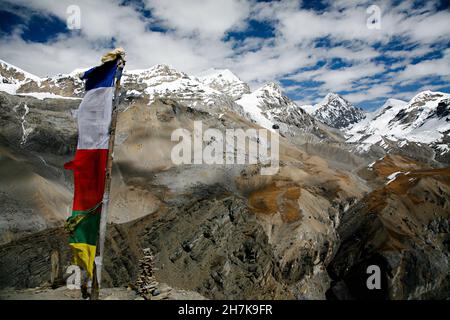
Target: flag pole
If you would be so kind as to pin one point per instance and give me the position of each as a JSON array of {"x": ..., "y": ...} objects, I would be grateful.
[{"x": 96, "y": 277}]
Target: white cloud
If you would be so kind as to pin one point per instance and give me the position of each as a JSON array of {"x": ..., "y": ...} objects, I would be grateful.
[
  {"x": 368, "y": 95},
  {"x": 340, "y": 79},
  {"x": 270, "y": 63},
  {"x": 99, "y": 19},
  {"x": 426, "y": 68},
  {"x": 125, "y": 24},
  {"x": 203, "y": 18},
  {"x": 61, "y": 56}
]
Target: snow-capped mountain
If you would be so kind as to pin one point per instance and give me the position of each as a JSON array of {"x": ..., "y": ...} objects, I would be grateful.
[
  {"x": 165, "y": 81},
  {"x": 424, "y": 119},
  {"x": 225, "y": 81},
  {"x": 60, "y": 85},
  {"x": 270, "y": 108},
  {"x": 293, "y": 226},
  {"x": 159, "y": 80},
  {"x": 337, "y": 112},
  {"x": 153, "y": 76},
  {"x": 12, "y": 77},
  {"x": 14, "y": 80},
  {"x": 213, "y": 91}
]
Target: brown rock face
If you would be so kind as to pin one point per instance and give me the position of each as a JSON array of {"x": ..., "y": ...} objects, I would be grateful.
[{"x": 403, "y": 227}]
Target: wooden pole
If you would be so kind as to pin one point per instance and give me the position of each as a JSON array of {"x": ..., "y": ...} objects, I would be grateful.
[{"x": 96, "y": 277}]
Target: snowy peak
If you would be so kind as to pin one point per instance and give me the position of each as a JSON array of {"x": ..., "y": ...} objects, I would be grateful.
[
  {"x": 425, "y": 108},
  {"x": 226, "y": 81},
  {"x": 153, "y": 76},
  {"x": 74, "y": 74},
  {"x": 159, "y": 70},
  {"x": 424, "y": 119},
  {"x": 270, "y": 108},
  {"x": 12, "y": 77},
  {"x": 337, "y": 112},
  {"x": 270, "y": 96},
  {"x": 62, "y": 85},
  {"x": 165, "y": 81},
  {"x": 426, "y": 95},
  {"x": 16, "y": 81},
  {"x": 219, "y": 75},
  {"x": 8, "y": 70},
  {"x": 331, "y": 97},
  {"x": 271, "y": 89},
  {"x": 386, "y": 111}
]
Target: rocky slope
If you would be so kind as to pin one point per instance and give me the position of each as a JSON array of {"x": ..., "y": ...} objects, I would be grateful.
[
  {"x": 403, "y": 227},
  {"x": 185, "y": 213},
  {"x": 35, "y": 138}
]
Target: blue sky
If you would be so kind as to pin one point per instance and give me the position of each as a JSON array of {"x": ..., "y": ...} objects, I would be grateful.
[{"x": 309, "y": 47}]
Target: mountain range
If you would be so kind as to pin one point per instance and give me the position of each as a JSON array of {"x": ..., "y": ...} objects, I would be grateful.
[
  {"x": 424, "y": 119},
  {"x": 354, "y": 189}
]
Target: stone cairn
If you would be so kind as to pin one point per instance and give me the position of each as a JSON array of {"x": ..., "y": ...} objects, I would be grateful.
[{"x": 146, "y": 284}]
